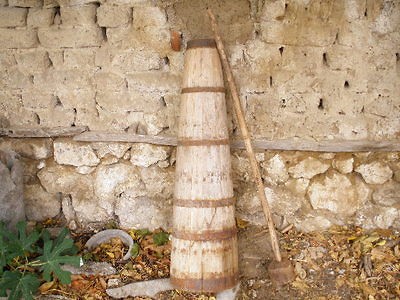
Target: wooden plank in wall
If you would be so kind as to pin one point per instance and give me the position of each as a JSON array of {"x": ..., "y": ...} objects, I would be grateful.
[
  {"x": 259, "y": 144},
  {"x": 98, "y": 136},
  {"x": 42, "y": 132}
]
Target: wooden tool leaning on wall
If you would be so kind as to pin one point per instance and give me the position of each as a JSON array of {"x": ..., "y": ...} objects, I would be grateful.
[{"x": 281, "y": 270}]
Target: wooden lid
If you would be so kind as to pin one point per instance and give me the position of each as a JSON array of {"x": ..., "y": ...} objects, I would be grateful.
[{"x": 201, "y": 43}]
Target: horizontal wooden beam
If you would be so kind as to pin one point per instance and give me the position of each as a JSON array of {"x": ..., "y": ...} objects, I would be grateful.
[
  {"x": 259, "y": 144},
  {"x": 98, "y": 136},
  {"x": 41, "y": 132}
]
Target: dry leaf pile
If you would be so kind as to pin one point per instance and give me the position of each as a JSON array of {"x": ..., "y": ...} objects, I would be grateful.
[
  {"x": 341, "y": 263},
  {"x": 346, "y": 263}
]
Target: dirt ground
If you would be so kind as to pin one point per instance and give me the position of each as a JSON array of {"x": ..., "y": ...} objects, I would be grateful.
[{"x": 341, "y": 263}]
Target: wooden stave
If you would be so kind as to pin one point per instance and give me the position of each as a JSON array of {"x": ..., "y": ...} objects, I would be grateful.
[
  {"x": 194, "y": 144},
  {"x": 223, "y": 253}
]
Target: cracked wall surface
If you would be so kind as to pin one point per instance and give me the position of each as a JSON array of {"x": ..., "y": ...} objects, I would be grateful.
[{"x": 314, "y": 70}]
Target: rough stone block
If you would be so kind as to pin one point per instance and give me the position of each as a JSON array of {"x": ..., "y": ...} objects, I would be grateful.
[
  {"x": 117, "y": 150},
  {"x": 12, "y": 201},
  {"x": 112, "y": 180},
  {"x": 31, "y": 62},
  {"x": 29, "y": 148},
  {"x": 76, "y": 37},
  {"x": 73, "y": 153},
  {"x": 78, "y": 15},
  {"x": 39, "y": 204},
  {"x": 12, "y": 16},
  {"x": 113, "y": 16},
  {"x": 25, "y": 3},
  {"x": 3, "y": 3},
  {"x": 158, "y": 181},
  {"x": 40, "y": 17},
  {"x": 79, "y": 58},
  {"x": 308, "y": 168},
  {"x": 149, "y": 16},
  {"x": 337, "y": 193},
  {"x": 145, "y": 155},
  {"x": 17, "y": 39},
  {"x": 136, "y": 60},
  {"x": 375, "y": 172}
]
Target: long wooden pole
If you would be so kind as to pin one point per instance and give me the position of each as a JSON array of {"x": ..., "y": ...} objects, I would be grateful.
[{"x": 246, "y": 138}]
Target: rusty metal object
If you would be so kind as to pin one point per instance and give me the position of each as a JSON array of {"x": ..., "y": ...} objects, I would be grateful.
[
  {"x": 206, "y": 285},
  {"x": 176, "y": 40},
  {"x": 206, "y": 235}
]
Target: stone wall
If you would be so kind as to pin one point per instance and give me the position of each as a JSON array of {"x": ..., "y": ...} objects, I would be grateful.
[
  {"x": 132, "y": 184},
  {"x": 316, "y": 70}
]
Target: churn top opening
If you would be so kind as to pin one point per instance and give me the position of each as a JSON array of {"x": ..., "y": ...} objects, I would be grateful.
[{"x": 201, "y": 43}]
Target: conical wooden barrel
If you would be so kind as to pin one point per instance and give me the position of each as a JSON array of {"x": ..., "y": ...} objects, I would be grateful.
[{"x": 204, "y": 240}]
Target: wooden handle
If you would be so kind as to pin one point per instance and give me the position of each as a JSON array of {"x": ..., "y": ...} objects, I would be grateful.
[{"x": 246, "y": 137}]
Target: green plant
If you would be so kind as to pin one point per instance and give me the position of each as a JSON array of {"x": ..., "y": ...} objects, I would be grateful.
[{"x": 28, "y": 258}]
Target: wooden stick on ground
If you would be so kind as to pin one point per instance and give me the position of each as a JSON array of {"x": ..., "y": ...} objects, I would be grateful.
[{"x": 246, "y": 138}]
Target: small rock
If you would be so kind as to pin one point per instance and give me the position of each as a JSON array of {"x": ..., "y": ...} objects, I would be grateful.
[
  {"x": 375, "y": 172},
  {"x": 142, "y": 288},
  {"x": 313, "y": 222},
  {"x": 41, "y": 164},
  {"x": 92, "y": 268},
  {"x": 113, "y": 282},
  {"x": 74, "y": 153},
  {"x": 327, "y": 155},
  {"x": 344, "y": 166},
  {"x": 298, "y": 186},
  {"x": 84, "y": 170},
  {"x": 115, "y": 149},
  {"x": 372, "y": 216},
  {"x": 308, "y": 168},
  {"x": 145, "y": 155},
  {"x": 275, "y": 170}
]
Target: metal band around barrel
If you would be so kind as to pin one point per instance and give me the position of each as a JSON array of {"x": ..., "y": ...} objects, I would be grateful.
[
  {"x": 188, "y": 142},
  {"x": 204, "y": 203},
  {"x": 201, "y": 43},
  {"x": 206, "y": 285},
  {"x": 209, "y": 235},
  {"x": 203, "y": 89}
]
